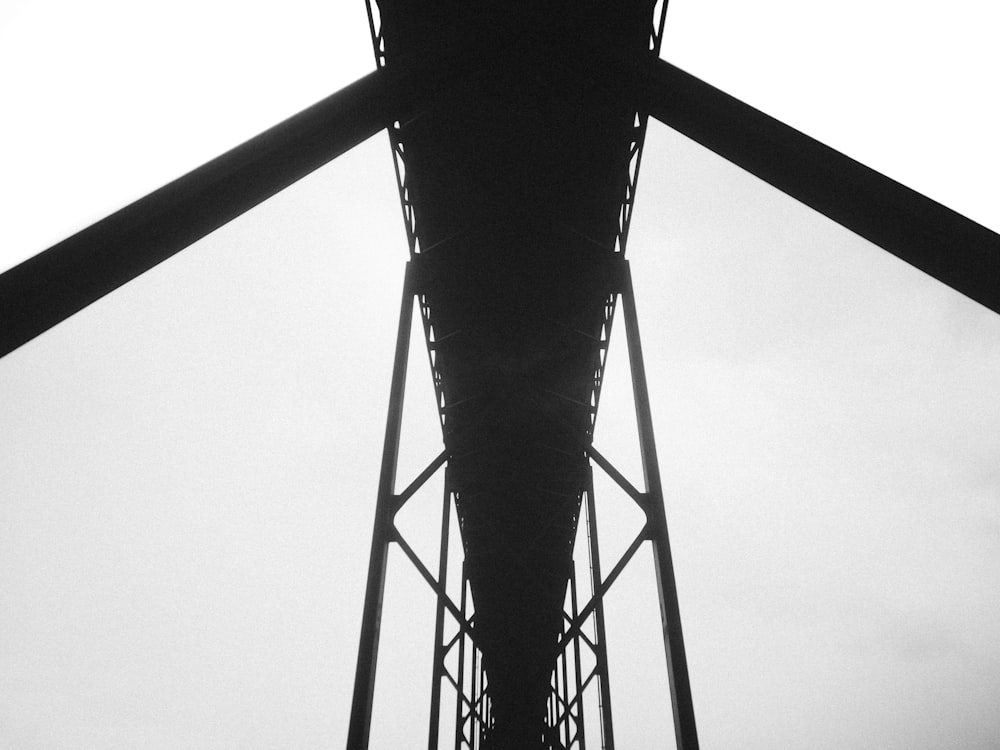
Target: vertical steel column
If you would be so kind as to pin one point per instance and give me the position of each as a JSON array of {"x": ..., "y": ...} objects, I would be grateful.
[
  {"x": 550, "y": 714},
  {"x": 487, "y": 708},
  {"x": 603, "y": 681},
  {"x": 673, "y": 639},
  {"x": 438, "y": 668},
  {"x": 575, "y": 612},
  {"x": 459, "y": 708},
  {"x": 364, "y": 678},
  {"x": 475, "y": 726},
  {"x": 564, "y": 660}
]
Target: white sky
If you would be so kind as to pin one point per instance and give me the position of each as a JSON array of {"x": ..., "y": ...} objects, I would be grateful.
[{"x": 188, "y": 467}]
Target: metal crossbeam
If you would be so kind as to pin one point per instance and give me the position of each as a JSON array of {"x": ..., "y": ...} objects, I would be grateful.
[
  {"x": 940, "y": 242},
  {"x": 53, "y": 285}
]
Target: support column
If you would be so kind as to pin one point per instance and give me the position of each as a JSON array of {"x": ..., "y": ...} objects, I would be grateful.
[
  {"x": 439, "y": 652},
  {"x": 603, "y": 681},
  {"x": 460, "y": 738},
  {"x": 567, "y": 697},
  {"x": 673, "y": 639},
  {"x": 364, "y": 679},
  {"x": 577, "y": 665}
]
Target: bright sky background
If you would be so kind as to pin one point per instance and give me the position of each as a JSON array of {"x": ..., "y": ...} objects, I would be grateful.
[{"x": 188, "y": 467}]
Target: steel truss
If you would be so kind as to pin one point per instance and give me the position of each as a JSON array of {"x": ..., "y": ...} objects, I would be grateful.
[
  {"x": 569, "y": 680},
  {"x": 565, "y": 708},
  {"x": 470, "y": 682},
  {"x": 395, "y": 130},
  {"x": 55, "y": 284},
  {"x": 565, "y": 712},
  {"x": 473, "y": 698}
]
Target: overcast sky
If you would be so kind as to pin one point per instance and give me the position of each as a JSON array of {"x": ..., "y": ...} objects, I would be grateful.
[{"x": 188, "y": 467}]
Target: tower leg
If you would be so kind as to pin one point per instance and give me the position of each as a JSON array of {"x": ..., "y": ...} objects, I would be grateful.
[
  {"x": 461, "y": 741},
  {"x": 673, "y": 639},
  {"x": 439, "y": 646},
  {"x": 603, "y": 681},
  {"x": 577, "y": 664},
  {"x": 364, "y": 679}
]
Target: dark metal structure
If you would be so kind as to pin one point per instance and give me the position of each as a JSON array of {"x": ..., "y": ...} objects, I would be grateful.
[{"x": 517, "y": 131}]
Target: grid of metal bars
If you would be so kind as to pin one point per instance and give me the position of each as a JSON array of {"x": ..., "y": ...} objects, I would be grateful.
[
  {"x": 466, "y": 676},
  {"x": 571, "y": 681},
  {"x": 630, "y": 166},
  {"x": 564, "y": 719}
]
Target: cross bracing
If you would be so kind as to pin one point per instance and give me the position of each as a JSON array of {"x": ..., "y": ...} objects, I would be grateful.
[{"x": 982, "y": 269}]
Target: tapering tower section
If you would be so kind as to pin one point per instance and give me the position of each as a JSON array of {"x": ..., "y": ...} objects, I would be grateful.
[{"x": 517, "y": 178}]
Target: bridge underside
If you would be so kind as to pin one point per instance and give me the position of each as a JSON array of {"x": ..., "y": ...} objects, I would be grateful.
[
  {"x": 520, "y": 148},
  {"x": 516, "y": 176}
]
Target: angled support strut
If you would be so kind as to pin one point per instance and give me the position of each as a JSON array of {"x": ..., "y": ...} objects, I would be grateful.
[
  {"x": 53, "y": 285},
  {"x": 656, "y": 525},
  {"x": 364, "y": 678},
  {"x": 940, "y": 242}
]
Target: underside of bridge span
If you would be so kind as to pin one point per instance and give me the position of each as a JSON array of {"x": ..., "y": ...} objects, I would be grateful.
[
  {"x": 517, "y": 176},
  {"x": 517, "y": 132}
]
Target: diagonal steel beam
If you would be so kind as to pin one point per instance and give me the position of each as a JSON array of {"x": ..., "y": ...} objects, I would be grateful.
[
  {"x": 927, "y": 235},
  {"x": 49, "y": 287}
]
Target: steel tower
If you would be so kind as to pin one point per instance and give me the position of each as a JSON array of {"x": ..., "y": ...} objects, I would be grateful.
[
  {"x": 517, "y": 185},
  {"x": 516, "y": 129}
]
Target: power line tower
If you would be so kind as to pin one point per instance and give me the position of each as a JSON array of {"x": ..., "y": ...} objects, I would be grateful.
[{"x": 516, "y": 132}]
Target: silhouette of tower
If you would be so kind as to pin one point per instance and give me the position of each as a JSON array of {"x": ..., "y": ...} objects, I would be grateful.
[
  {"x": 517, "y": 184},
  {"x": 517, "y": 131}
]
